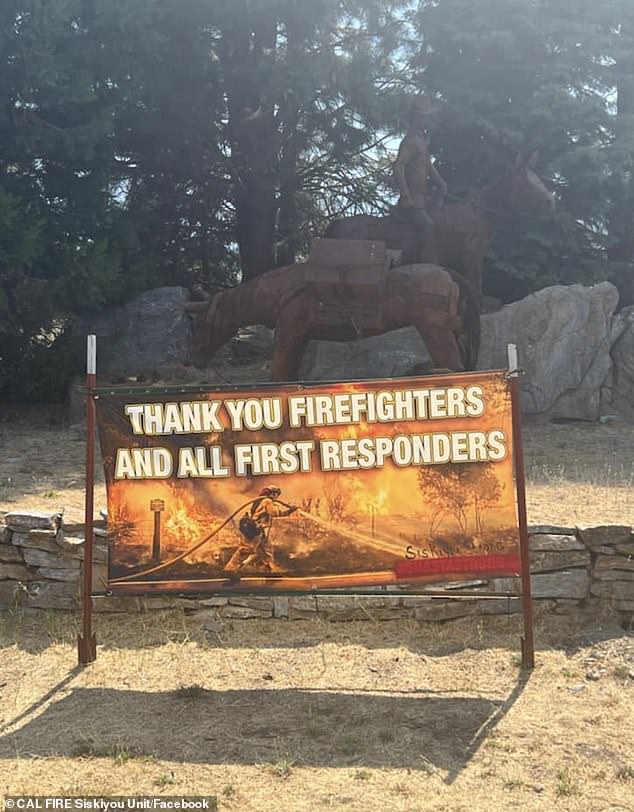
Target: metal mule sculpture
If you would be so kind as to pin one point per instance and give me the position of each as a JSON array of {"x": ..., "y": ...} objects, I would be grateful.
[{"x": 345, "y": 291}]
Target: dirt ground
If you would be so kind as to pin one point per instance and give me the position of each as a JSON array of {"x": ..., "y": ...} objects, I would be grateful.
[{"x": 271, "y": 715}]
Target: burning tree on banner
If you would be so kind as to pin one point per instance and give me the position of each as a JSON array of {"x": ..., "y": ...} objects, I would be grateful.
[{"x": 463, "y": 491}]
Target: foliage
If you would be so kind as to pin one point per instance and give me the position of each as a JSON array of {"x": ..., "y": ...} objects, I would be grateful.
[
  {"x": 301, "y": 83},
  {"x": 64, "y": 245},
  {"x": 161, "y": 142},
  {"x": 518, "y": 76}
]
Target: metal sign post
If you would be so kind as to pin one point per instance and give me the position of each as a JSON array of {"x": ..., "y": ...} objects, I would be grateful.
[
  {"x": 157, "y": 506},
  {"x": 87, "y": 642},
  {"x": 528, "y": 643}
]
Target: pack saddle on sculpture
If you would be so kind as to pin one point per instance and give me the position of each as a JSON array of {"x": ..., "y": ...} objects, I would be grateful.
[{"x": 346, "y": 290}]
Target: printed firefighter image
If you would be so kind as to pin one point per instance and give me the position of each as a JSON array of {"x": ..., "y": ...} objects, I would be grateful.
[{"x": 256, "y": 549}]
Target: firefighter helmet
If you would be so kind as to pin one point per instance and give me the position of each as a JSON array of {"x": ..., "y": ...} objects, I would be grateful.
[{"x": 271, "y": 490}]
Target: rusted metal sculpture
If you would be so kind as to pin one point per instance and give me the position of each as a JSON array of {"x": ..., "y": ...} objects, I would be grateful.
[
  {"x": 413, "y": 166},
  {"x": 462, "y": 231},
  {"x": 412, "y": 170},
  {"x": 344, "y": 292}
]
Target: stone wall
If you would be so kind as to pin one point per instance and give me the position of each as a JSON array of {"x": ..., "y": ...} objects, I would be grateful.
[{"x": 581, "y": 571}]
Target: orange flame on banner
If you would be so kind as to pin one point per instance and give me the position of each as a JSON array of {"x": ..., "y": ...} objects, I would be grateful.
[{"x": 181, "y": 525}]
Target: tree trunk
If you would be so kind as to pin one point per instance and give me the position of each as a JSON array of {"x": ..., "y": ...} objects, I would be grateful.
[
  {"x": 253, "y": 137},
  {"x": 255, "y": 210},
  {"x": 620, "y": 221},
  {"x": 288, "y": 238},
  {"x": 291, "y": 144},
  {"x": 478, "y": 516}
]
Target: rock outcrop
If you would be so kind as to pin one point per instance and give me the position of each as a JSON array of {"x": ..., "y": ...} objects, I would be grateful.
[
  {"x": 578, "y": 356},
  {"x": 563, "y": 335},
  {"x": 148, "y": 332},
  {"x": 623, "y": 359},
  {"x": 391, "y": 355}
]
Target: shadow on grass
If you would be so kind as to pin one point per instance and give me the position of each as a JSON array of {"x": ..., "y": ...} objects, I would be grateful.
[{"x": 312, "y": 728}]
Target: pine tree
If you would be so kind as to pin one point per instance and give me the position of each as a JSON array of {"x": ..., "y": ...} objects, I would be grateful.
[
  {"x": 302, "y": 80},
  {"x": 517, "y": 76},
  {"x": 64, "y": 66}
]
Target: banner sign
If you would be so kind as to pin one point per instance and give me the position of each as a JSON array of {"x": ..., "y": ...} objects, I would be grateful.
[{"x": 308, "y": 487}]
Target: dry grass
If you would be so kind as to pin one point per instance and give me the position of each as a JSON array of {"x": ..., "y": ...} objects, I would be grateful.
[
  {"x": 309, "y": 715},
  {"x": 579, "y": 473}
]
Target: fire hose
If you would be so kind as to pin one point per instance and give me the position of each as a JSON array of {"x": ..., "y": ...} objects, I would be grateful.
[
  {"x": 193, "y": 549},
  {"x": 198, "y": 545}
]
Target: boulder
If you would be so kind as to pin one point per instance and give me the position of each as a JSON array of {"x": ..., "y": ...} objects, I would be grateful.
[
  {"x": 437, "y": 611},
  {"x": 550, "y": 529},
  {"x": 571, "y": 583},
  {"x": 99, "y": 577},
  {"x": 245, "y": 612},
  {"x": 74, "y": 547},
  {"x": 302, "y": 607},
  {"x": 623, "y": 606},
  {"x": 215, "y": 601},
  {"x": 16, "y": 572},
  {"x": 395, "y": 354},
  {"x": 617, "y": 590},
  {"x": 254, "y": 343},
  {"x": 161, "y": 603},
  {"x": 10, "y": 593},
  {"x": 614, "y": 575},
  {"x": 41, "y": 558},
  {"x": 280, "y": 607},
  {"x": 118, "y": 605},
  {"x": 564, "y": 584},
  {"x": 567, "y": 606},
  {"x": 10, "y": 554},
  {"x": 253, "y": 603},
  {"x": 563, "y": 335},
  {"x": 330, "y": 604},
  {"x": 59, "y": 574},
  {"x": 617, "y": 562},
  {"x": 140, "y": 336},
  {"x": 623, "y": 359},
  {"x": 491, "y": 606},
  {"x": 307, "y": 603},
  {"x": 507, "y": 584},
  {"x": 37, "y": 539}
]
